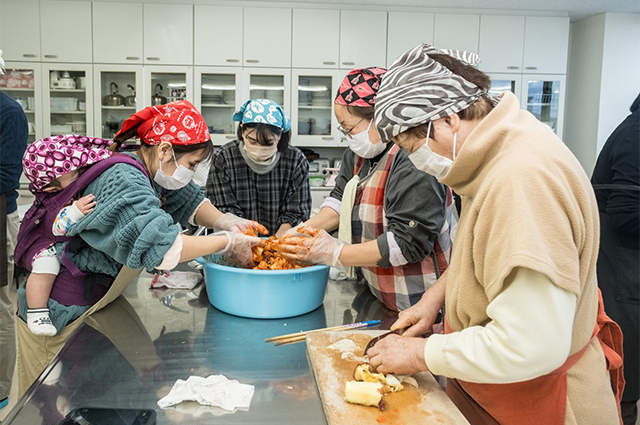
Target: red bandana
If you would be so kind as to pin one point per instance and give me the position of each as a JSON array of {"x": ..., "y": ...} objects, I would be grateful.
[
  {"x": 360, "y": 87},
  {"x": 177, "y": 122}
]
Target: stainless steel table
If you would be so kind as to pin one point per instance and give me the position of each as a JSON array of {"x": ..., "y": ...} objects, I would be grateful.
[{"x": 129, "y": 355}]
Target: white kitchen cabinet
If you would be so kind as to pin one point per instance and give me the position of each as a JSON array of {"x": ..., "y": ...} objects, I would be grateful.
[
  {"x": 164, "y": 84},
  {"x": 266, "y": 83},
  {"x": 501, "y": 43},
  {"x": 218, "y": 94},
  {"x": 168, "y": 34},
  {"x": 117, "y": 32},
  {"x": 312, "y": 121},
  {"x": 316, "y": 38},
  {"x": 121, "y": 82},
  {"x": 406, "y": 31},
  {"x": 65, "y": 31},
  {"x": 546, "y": 44},
  {"x": 267, "y": 37},
  {"x": 67, "y": 99},
  {"x": 457, "y": 31},
  {"x": 363, "y": 39},
  {"x": 20, "y": 30},
  {"x": 23, "y": 82},
  {"x": 543, "y": 96},
  {"x": 319, "y": 195},
  {"x": 218, "y": 35}
]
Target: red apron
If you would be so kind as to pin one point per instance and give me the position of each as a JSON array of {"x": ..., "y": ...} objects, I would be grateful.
[{"x": 541, "y": 400}]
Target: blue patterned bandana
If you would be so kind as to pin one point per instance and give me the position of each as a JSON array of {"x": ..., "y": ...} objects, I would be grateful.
[{"x": 263, "y": 111}]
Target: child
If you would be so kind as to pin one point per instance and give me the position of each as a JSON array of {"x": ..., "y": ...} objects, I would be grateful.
[{"x": 51, "y": 165}]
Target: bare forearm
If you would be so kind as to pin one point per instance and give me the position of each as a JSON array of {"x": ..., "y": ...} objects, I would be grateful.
[
  {"x": 283, "y": 228},
  {"x": 207, "y": 215},
  {"x": 198, "y": 246},
  {"x": 363, "y": 254},
  {"x": 327, "y": 219}
]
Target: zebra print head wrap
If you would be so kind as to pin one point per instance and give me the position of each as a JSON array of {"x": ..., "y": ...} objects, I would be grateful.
[{"x": 416, "y": 89}]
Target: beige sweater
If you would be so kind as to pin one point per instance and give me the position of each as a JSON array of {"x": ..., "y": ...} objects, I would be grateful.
[{"x": 527, "y": 202}]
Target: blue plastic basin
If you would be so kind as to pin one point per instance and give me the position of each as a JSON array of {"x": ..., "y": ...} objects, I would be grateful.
[{"x": 264, "y": 294}]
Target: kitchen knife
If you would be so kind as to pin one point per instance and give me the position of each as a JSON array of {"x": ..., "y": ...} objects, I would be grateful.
[{"x": 374, "y": 340}]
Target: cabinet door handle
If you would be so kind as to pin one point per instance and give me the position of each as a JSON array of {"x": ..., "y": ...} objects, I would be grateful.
[
  {"x": 513, "y": 67},
  {"x": 233, "y": 60},
  {"x": 133, "y": 58},
  {"x": 328, "y": 63},
  {"x": 349, "y": 63},
  {"x": 51, "y": 56},
  {"x": 327, "y": 138},
  {"x": 253, "y": 61},
  {"x": 29, "y": 55},
  {"x": 531, "y": 67},
  {"x": 230, "y": 137},
  {"x": 153, "y": 58}
]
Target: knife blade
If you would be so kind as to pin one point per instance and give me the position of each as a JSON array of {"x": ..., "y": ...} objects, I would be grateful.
[{"x": 374, "y": 340}]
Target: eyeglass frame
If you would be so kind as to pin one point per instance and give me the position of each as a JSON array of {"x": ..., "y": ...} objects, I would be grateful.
[{"x": 347, "y": 133}]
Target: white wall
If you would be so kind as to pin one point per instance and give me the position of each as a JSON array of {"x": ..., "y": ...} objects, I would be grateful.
[
  {"x": 586, "y": 41},
  {"x": 603, "y": 79},
  {"x": 620, "y": 71}
]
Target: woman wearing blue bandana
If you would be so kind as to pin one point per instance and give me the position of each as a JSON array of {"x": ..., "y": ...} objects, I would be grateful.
[{"x": 260, "y": 176}]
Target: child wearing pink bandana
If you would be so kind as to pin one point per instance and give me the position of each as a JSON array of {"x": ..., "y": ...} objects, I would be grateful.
[{"x": 51, "y": 165}]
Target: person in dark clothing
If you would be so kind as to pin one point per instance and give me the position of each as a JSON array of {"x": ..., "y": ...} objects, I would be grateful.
[
  {"x": 616, "y": 181},
  {"x": 14, "y": 132}
]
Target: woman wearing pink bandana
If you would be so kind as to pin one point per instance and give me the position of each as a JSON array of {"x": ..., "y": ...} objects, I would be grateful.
[{"x": 394, "y": 222}]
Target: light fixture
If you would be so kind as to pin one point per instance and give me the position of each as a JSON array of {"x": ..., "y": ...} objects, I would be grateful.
[
  {"x": 266, "y": 88},
  {"x": 313, "y": 88},
  {"x": 177, "y": 85},
  {"x": 212, "y": 87}
]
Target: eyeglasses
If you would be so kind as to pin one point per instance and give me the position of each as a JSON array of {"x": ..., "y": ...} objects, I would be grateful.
[{"x": 347, "y": 133}]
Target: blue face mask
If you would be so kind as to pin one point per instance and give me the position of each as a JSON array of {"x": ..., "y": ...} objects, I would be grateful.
[{"x": 179, "y": 179}]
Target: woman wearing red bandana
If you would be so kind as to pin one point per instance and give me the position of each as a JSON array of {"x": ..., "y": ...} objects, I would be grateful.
[
  {"x": 394, "y": 221},
  {"x": 140, "y": 211}
]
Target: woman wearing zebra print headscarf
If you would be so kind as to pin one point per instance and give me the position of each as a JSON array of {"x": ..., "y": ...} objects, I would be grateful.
[{"x": 524, "y": 327}]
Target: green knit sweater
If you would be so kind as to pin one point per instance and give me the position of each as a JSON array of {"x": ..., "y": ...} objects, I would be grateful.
[{"x": 133, "y": 223}]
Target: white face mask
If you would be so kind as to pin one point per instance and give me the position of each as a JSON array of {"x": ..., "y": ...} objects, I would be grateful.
[
  {"x": 362, "y": 146},
  {"x": 261, "y": 154},
  {"x": 430, "y": 162},
  {"x": 179, "y": 179}
]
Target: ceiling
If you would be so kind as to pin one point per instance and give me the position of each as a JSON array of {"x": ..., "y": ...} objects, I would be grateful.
[{"x": 576, "y": 9}]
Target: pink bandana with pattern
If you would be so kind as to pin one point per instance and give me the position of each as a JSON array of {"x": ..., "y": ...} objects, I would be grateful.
[
  {"x": 47, "y": 159},
  {"x": 360, "y": 87}
]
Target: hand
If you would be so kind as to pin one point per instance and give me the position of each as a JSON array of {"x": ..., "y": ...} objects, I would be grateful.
[
  {"x": 294, "y": 230},
  {"x": 313, "y": 245},
  {"x": 233, "y": 223},
  {"x": 398, "y": 354},
  {"x": 238, "y": 248},
  {"x": 419, "y": 318},
  {"x": 85, "y": 204}
]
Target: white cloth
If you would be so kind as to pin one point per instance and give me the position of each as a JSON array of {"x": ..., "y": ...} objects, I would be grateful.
[
  {"x": 346, "y": 209},
  {"x": 214, "y": 390},
  {"x": 529, "y": 335},
  {"x": 176, "y": 280}
]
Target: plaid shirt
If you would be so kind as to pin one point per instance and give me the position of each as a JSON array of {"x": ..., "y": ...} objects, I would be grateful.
[{"x": 279, "y": 196}]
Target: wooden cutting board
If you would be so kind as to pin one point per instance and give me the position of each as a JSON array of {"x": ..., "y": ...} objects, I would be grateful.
[{"x": 428, "y": 404}]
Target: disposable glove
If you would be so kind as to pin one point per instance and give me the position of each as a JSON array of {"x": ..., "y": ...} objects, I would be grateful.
[
  {"x": 313, "y": 246},
  {"x": 233, "y": 223},
  {"x": 238, "y": 248}
]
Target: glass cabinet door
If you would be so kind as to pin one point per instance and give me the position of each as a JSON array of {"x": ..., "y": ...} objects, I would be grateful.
[
  {"x": 271, "y": 84},
  {"x": 118, "y": 97},
  {"x": 543, "y": 96},
  {"x": 217, "y": 98},
  {"x": 501, "y": 83},
  {"x": 313, "y": 122},
  {"x": 164, "y": 84},
  {"x": 21, "y": 83},
  {"x": 68, "y": 100}
]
